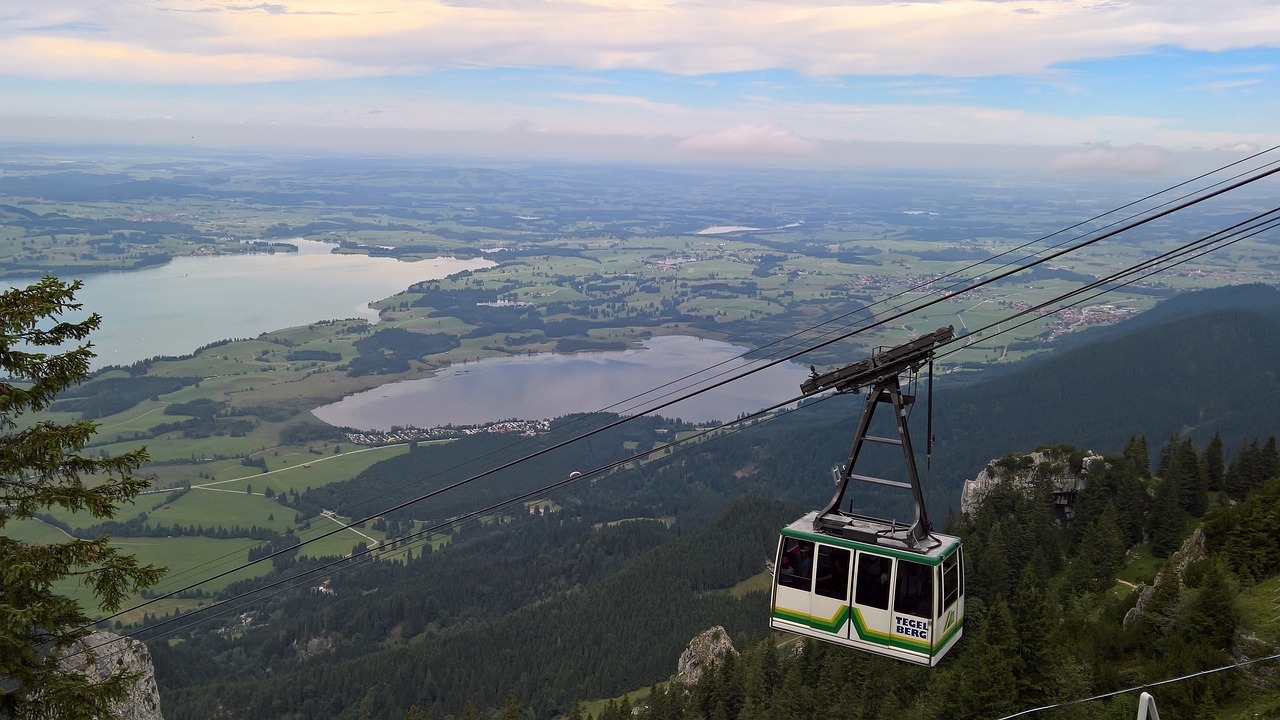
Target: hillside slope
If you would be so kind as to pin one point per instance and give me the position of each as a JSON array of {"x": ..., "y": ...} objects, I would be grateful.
[{"x": 1195, "y": 373}]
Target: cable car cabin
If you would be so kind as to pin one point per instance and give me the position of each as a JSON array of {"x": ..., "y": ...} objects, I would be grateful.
[{"x": 900, "y": 603}]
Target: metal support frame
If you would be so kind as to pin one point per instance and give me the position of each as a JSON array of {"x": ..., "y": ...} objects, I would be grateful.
[
  {"x": 880, "y": 373},
  {"x": 889, "y": 391}
]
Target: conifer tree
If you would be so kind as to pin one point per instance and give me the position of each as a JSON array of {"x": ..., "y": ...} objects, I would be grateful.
[
  {"x": 991, "y": 572},
  {"x": 41, "y": 467},
  {"x": 1167, "y": 452},
  {"x": 417, "y": 713},
  {"x": 1100, "y": 554},
  {"x": 990, "y": 686},
  {"x": 1214, "y": 464},
  {"x": 1137, "y": 451},
  {"x": 1270, "y": 460},
  {"x": 1131, "y": 505},
  {"x": 1247, "y": 470},
  {"x": 1165, "y": 521},
  {"x": 1033, "y": 620},
  {"x": 1192, "y": 484},
  {"x": 511, "y": 708},
  {"x": 1211, "y": 615}
]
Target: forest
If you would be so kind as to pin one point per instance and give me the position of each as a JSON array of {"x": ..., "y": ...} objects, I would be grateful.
[
  {"x": 1047, "y": 622},
  {"x": 570, "y": 606},
  {"x": 591, "y": 591}
]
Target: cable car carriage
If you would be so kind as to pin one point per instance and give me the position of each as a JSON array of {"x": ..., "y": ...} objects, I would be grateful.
[{"x": 871, "y": 584}]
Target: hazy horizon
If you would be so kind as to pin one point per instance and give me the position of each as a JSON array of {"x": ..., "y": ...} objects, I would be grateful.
[{"x": 1044, "y": 85}]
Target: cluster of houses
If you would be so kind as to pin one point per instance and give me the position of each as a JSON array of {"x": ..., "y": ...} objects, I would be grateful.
[{"x": 527, "y": 428}]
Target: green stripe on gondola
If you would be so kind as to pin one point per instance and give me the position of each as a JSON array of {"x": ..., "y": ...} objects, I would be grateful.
[
  {"x": 813, "y": 621},
  {"x": 865, "y": 633},
  {"x": 890, "y": 639}
]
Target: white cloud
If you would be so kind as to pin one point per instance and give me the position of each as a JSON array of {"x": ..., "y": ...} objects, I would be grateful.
[
  {"x": 768, "y": 139},
  {"x": 1225, "y": 85},
  {"x": 630, "y": 101},
  {"x": 689, "y": 37},
  {"x": 1244, "y": 148},
  {"x": 1133, "y": 159},
  {"x": 546, "y": 56}
]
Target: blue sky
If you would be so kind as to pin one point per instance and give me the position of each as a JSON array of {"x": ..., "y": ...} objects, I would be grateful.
[{"x": 1108, "y": 85}]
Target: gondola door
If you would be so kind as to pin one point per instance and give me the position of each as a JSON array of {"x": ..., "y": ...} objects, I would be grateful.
[
  {"x": 872, "y": 618},
  {"x": 829, "y": 605},
  {"x": 913, "y": 607}
]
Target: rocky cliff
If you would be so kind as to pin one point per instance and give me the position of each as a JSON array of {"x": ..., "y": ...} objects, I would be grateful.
[
  {"x": 1060, "y": 471},
  {"x": 705, "y": 652},
  {"x": 102, "y": 654}
]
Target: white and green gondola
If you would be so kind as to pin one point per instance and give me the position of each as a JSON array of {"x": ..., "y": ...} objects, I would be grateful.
[{"x": 871, "y": 584}]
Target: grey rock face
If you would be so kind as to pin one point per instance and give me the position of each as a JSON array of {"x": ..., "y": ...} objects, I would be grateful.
[
  {"x": 103, "y": 654},
  {"x": 704, "y": 653},
  {"x": 1048, "y": 469}
]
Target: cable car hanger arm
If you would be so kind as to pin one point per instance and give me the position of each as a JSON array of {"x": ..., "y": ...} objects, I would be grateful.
[{"x": 881, "y": 365}]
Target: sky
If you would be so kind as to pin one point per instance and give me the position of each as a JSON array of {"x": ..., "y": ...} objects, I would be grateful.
[{"x": 1064, "y": 86}]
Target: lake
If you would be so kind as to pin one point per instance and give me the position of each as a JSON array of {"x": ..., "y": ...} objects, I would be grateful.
[
  {"x": 192, "y": 301},
  {"x": 547, "y": 385}
]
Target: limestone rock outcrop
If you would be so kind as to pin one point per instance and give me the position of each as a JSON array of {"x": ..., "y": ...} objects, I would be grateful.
[
  {"x": 103, "y": 654},
  {"x": 1191, "y": 551},
  {"x": 705, "y": 653},
  {"x": 1052, "y": 469}
]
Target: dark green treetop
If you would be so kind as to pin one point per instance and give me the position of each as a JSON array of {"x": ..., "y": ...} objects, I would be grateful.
[{"x": 41, "y": 467}]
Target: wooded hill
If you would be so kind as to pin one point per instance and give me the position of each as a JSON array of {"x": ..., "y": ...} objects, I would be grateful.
[
  {"x": 576, "y": 603},
  {"x": 1047, "y": 620}
]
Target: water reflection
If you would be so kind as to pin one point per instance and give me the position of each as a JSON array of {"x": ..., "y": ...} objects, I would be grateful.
[
  {"x": 547, "y": 385},
  {"x": 175, "y": 308}
]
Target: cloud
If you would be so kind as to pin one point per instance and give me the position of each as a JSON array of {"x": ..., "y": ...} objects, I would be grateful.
[
  {"x": 630, "y": 101},
  {"x": 1225, "y": 85},
  {"x": 1240, "y": 147},
  {"x": 1247, "y": 70},
  {"x": 49, "y": 57},
  {"x": 771, "y": 139},
  {"x": 810, "y": 37},
  {"x": 1134, "y": 159}
]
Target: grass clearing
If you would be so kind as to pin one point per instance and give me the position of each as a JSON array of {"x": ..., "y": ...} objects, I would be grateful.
[
  {"x": 190, "y": 559},
  {"x": 1140, "y": 566},
  {"x": 762, "y": 582},
  {"x": 593, "y": 708},
  {"x": 227, "y": 510},
  {"x": 1260, "y": 610}
]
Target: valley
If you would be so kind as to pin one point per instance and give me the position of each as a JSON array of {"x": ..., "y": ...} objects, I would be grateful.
[{"x": 568, "y": 260}]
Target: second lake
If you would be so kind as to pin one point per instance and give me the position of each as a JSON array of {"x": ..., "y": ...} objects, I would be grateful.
[{"x": 546, "y": 385}]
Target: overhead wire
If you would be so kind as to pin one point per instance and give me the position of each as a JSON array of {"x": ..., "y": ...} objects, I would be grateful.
[
  {"x": 621, "y": 408},
  {"x": 1195, "y": 249},
  {"x": 1148, "y": 263},
  {"x": 1139, "y": 688},
  {"x": 933, "y": 281},
  {"x": 291, "y": 582},
  {"x": 975, "y": 284},
  {"x": 1224, "y": 237},
  {"x": 1178, "y": 256}
]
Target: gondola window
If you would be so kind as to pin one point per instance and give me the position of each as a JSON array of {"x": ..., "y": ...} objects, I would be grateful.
[
  {"x": 914, "y": 594},
  {"x": 795, "y": 564},
  {"x": 873, "y": 581},
  {"x": 950, "y": 580},
  {"x": 833, "y": 572}
]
